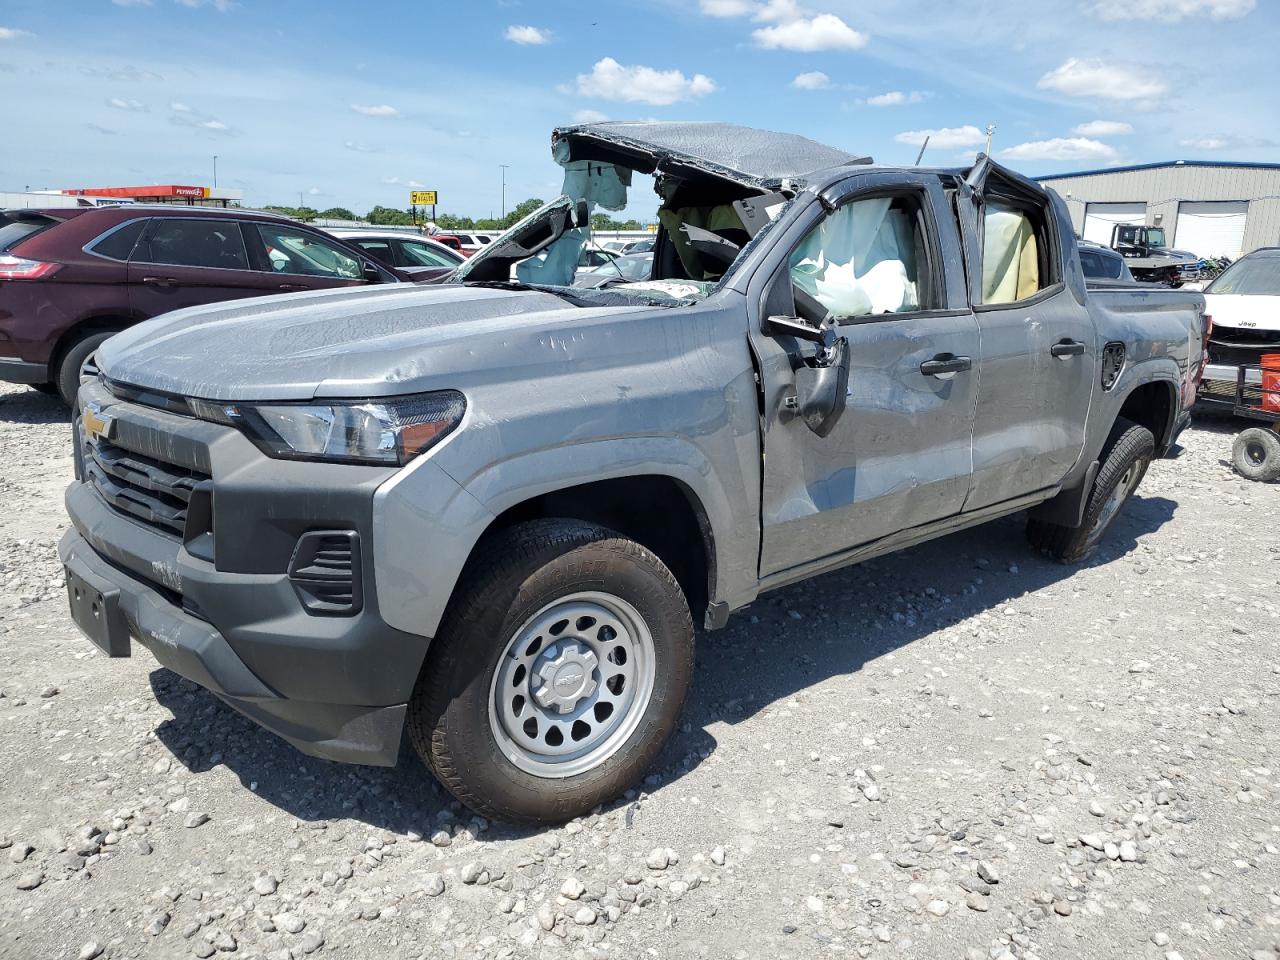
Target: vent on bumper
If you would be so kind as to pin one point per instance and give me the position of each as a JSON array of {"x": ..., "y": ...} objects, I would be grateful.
[{"x": 325, "y": 572}]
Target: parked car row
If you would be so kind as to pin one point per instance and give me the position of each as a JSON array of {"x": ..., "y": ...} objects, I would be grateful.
[{"x": 72, "y": 277}]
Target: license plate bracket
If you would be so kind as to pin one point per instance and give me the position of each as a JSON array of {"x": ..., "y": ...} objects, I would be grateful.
[{"x": 97, "y": 613}]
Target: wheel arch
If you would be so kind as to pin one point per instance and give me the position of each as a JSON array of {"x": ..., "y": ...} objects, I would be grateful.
[{"x": 85, "y": 327}]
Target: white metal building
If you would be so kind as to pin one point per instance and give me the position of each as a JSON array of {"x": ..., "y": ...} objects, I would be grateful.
[{"x": 1208, "y": 208}]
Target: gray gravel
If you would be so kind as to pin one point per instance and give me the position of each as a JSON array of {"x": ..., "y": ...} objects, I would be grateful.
[{"x": 962, "y": 751}]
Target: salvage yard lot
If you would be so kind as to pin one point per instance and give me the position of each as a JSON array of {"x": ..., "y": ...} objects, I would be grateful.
[{"x": 962, "y": 750}]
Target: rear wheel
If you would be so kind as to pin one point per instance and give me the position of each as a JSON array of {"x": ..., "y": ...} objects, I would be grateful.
[
  {"x": 558, "y": 674},
  {"x": 1125, "y": 458},
  {"x": 1256, "y": 454},
  {"x": 67, "y": 372}
]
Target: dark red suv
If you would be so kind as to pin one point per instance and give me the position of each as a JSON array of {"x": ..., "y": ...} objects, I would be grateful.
[{"x": 70, "y": 278}]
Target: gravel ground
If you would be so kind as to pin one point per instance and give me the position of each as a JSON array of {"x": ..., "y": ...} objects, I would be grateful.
[{"x": 961, "y": 751}]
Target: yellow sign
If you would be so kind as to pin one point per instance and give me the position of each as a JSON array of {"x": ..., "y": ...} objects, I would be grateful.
[{"x": 422, "y": 198}]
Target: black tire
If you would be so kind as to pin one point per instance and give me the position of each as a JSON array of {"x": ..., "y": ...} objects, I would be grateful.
[
  {"x": 1256, "y": 454},
  {"x": 67, "y": 372},
  {"x": 1125, "y": 457},
  {"x": 514, "y": 575}
]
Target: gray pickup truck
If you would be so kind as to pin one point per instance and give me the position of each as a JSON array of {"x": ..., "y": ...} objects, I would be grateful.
[{"x": 489, "y": 512}]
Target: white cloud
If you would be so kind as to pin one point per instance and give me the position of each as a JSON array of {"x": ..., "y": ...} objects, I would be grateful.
[
  {"x": 185, "y": 115},
  {"x": 779, "y": 11},
  {"x": 314, "y": 192},
  {"x": 726, "y": 8},
  {"x": 810, "y": 34},
  {"x": 528, "y": 36},
  {"x": 589, "y": 116},
  {"x": 360, "y": 147},
  {"x": 10, "y": 33},
  {"x": 121, "y": 103},
  {"x": 376, "y": 110},
  {"x": 894, "y": 98},
  {"x": 222, "y": 6},
  {"x": 1061, "y": 148},
  {"x": 1110, "y": 81},
  {"x": 1173, "y": 10},
  {"x": 391, "y": 181},
  {"x": 1103, "y": 128},
  {"x": 610, "y": 80},
  {"x": 945, "y": 138},
  {"x": 1226, "y": 142},
  {"x": 814, "y": 80}
]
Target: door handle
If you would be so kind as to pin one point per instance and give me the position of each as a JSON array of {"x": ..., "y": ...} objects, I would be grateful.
[
  {"x": 292, "y": 286},
  {"x": 1067, "y": 348},
  {"x": 945, "y": 365},
  {"x": 159, "y": 281}
]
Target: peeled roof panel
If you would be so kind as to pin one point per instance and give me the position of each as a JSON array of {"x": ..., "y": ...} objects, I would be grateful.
[{"x": 759, "y": 155}]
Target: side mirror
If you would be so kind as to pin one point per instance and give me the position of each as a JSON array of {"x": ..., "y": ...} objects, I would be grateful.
[
  {"x": 822, "y": 389},
  {"x": 372, "y": 273}
]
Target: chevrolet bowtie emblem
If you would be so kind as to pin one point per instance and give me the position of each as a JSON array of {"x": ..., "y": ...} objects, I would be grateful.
[{"x": 96, "y": 422}]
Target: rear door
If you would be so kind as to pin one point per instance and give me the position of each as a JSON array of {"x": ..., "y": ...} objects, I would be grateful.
[
  {"x": 301, "y": 259},
  {"x": 900, "y": 456},
  {"x": 185, "y": 262},
  {"x": 1038, "y": 357}
]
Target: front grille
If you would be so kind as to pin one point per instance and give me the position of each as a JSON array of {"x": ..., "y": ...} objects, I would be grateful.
[{"x": 141, "y": 487}]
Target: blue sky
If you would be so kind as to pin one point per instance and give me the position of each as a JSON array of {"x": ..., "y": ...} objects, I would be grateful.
[{"x": 354, "y": 105}]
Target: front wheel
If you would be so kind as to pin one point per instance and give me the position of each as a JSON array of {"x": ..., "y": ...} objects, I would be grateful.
[
  {"x": 558, "y": 675},
  {"x": 1125, "y": 458}
]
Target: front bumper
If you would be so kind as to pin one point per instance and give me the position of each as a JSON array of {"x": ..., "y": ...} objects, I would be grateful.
[{"x": 221, "y": 608}]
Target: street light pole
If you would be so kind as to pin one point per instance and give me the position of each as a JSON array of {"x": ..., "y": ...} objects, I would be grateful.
[
  {"x": 504, "y": 166},
  {"x": 215, "y": 171}
]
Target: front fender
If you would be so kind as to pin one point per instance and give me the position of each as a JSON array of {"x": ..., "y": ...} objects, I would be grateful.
[{"x": 426, "y": 524}]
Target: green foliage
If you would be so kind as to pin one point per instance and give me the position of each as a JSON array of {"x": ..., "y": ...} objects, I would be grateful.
[
  {"x": 338, "y": 213},
  {"x": 305, "y": 214},
  {"x": 389, "y": 216},
  {"x": 602, "y": 221}
]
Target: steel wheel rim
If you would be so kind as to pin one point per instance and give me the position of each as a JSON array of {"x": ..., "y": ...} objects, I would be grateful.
[
  {"x": 1255, "y": 452},
  {"x": 1119, "y": 494},
  {"x": 572, "y": 685}
]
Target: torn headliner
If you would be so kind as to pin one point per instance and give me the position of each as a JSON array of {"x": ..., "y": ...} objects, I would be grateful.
[{"x": 756, "y": 158}]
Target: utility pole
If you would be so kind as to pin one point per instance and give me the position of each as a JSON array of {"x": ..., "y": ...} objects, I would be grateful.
[
  {"x": 215, "y": 171},
  {"x": 991, "y": 129},
  {"x": 504, "y": 167},
  {"x": 299, "y": 199}
]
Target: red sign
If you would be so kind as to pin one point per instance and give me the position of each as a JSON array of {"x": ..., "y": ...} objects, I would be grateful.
[{"x": 139, "y": 193}]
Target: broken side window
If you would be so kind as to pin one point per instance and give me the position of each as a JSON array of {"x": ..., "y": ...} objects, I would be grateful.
[{"x": 863, "y": 259}]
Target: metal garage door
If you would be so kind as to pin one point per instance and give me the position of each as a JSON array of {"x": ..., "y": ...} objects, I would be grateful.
[
  {"x": 1212, "y": 228},
  {"x": 1099, "y": 218}
]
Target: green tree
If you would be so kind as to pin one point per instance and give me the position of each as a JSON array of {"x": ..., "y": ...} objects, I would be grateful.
[
  {"x": 338, "y": 213},
  {"x": 522, "y": 210},
  {"x": 389, "y": 216},
  {"x": 305, "y": 214},
  {"x": 449, "y": 221}
]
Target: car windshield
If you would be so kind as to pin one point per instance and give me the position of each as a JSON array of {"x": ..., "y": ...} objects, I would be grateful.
[{"x": 1252, "y": 276}]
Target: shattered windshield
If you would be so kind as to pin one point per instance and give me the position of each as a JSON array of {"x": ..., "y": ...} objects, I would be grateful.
[{"x": 703, "y": 226}]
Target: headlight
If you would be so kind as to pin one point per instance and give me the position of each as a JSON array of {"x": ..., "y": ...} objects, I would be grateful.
[{"x": 391, "y": 431}]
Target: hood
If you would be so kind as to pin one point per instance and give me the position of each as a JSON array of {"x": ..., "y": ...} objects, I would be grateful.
[
  {"x": 367, "y": 342},
  {"x": 1247, "y": 311},
  {"x": 1173, "y": 254},
  {"x": 759, "y": 159}
]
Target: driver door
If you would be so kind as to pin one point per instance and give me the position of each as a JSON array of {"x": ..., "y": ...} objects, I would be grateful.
[{"x": 900, "y": 455}]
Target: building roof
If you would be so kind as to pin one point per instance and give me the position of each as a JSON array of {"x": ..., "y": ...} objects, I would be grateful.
[{"x": 1158, "y": 164}]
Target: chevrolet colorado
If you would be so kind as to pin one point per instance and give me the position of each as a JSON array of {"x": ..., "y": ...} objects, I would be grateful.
[{"x": 488, "y": 513}]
